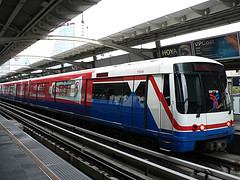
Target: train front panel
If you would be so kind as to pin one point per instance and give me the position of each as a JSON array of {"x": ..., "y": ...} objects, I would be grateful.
[{"x": 202, "y": 115}]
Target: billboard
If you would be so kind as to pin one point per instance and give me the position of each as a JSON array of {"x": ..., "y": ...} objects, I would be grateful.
[
  {"x": 218, "y": 47},
  {"x": 236, "y": 81},
  {"x": 176, "y": 50}
]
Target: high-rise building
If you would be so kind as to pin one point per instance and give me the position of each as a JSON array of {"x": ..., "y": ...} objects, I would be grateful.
[
  {"x": 76, "y": 28},
  {"x": 13, "y": 64},
  {"x": 5, "y": 68},
  {"x": 68, "y": 29}
]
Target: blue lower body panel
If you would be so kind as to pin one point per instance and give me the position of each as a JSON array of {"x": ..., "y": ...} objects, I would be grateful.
[{"x": 132, "y": 118}]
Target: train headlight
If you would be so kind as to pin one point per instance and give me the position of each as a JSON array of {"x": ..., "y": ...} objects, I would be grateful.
[
  {"x": 194, "y": 127},
  {"x": 202, "y": 127},
  {"x": 228, "y": 123}
]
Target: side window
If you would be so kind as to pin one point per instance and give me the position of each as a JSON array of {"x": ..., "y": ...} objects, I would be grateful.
[
  {"x": 99, "y": 91},
  {"x": 42, "y": 90},
  {"x": 140, "y": 92},
  {"x": 126, "y": 92},
  {"x": 166, "y": 89},
  {"x": 12, "y": 90},
  {"x": 111, "y": 91}
]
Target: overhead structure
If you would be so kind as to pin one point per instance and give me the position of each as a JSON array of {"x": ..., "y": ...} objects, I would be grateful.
[
  {"x": 212, "y": 13},
  {"x": 207, "y": 15},
  {"x": 27, "y": 18}
]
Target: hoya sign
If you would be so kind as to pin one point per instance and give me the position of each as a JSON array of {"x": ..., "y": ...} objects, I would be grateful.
[{"x": 176, "y": 50}]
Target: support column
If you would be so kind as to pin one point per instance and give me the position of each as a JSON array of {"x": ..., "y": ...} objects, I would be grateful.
[
  {"x": 94, "y": 60},
  {"x": 158, "y": 46}
]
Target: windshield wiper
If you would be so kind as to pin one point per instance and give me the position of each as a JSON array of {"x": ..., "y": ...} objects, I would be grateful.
[
  {"x": 229, "y": 107},
  {"x": 216, "y": 109}
]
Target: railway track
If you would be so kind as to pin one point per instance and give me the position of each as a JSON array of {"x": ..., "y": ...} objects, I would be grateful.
[{"x": 107, "y": 157}]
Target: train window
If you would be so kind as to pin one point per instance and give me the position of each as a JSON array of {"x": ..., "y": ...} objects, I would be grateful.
[
  {"x": 12, "y": 90},
  {"x": 111, "y": 91},
  {"x": 7, "y": 89},
  {"x": 166, "y": 89},
  {"x": 126, "y": 92},
  {"x": 42, "y": 90},
  {"x": 140, "y": 92},
  {"x": 99, "y": 91}
]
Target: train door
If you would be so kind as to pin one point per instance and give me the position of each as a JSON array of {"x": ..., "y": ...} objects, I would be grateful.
[
  {"x": 86, "y": 110},
  {"x": 33, "y": 93},
  {"x": 20, "y": 91},
  {"x": 116, "y": 95},
  {"x": 78, "y": 95},
  {"x": 126, "y": 103},
  {"x": 166, "y": 119},
  {"x": 26, "y": 93},
  {"x": 138, "y": 101},
  {"x": 159, "y": 102},
  {"x": 18, "y": 98}
]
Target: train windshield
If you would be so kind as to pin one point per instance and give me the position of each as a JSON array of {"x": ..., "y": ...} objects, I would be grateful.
[{"x": 201, "y": 88}]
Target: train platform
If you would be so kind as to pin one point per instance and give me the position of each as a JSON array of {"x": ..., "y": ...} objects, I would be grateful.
[
  {"x": 237, "y": 122},
  {"x": 22, "y": 157}
]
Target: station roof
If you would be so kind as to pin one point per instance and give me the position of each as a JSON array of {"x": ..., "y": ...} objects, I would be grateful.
[
  {"x": 33, "y": 18},
  {"x": 212, "y": 13}
]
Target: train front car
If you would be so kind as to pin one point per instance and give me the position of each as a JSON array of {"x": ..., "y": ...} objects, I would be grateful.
[{"x": 202, "y": 115}]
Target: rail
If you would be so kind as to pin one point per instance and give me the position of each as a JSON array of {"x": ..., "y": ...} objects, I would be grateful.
[{"x": 148, "y": 165}]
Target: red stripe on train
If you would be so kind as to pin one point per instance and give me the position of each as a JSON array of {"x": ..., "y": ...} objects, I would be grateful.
[{"x": 169, "y": 113}]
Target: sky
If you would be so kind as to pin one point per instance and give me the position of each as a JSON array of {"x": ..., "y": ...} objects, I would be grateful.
[{"x": 111, "y": 16}]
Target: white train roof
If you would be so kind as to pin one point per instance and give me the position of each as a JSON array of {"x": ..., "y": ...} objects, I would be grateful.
[{"x": 154, "y": 66}]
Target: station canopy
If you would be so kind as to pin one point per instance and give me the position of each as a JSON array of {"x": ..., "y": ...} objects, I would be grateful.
[{"x": 21, "y": 29}]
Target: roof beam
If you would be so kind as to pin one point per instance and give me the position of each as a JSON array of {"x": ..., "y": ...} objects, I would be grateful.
[
  {"x": 49, "y": 59},
  {"x": 137, "y": 52},
  {"x": 109, "y": 43},
  {"x": 12, "y": 16},
  {"x": 202, "y": 12},
  {"x": 230, "y": 3}
]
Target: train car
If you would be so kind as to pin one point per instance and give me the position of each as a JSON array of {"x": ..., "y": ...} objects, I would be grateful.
[{"x": 183, "y": 102}]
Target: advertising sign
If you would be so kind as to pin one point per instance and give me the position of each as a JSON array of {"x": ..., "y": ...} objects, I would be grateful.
[
  {"x": 236, "y": 81},
  {"x": 219, "y": 47},
  {"x": 176, "y": 50}
]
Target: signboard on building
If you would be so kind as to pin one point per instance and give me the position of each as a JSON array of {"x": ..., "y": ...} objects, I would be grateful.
[
  {"x": 218, "y": 47},
  {"x": 236, "y": 81},
  {"x": 176, "y": 50}
]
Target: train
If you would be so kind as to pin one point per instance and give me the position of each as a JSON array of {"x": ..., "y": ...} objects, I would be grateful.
[{"x": 182, "y": 102}]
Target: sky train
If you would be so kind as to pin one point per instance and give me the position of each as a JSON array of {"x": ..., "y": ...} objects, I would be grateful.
[{"x": 183, "y": 102}]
